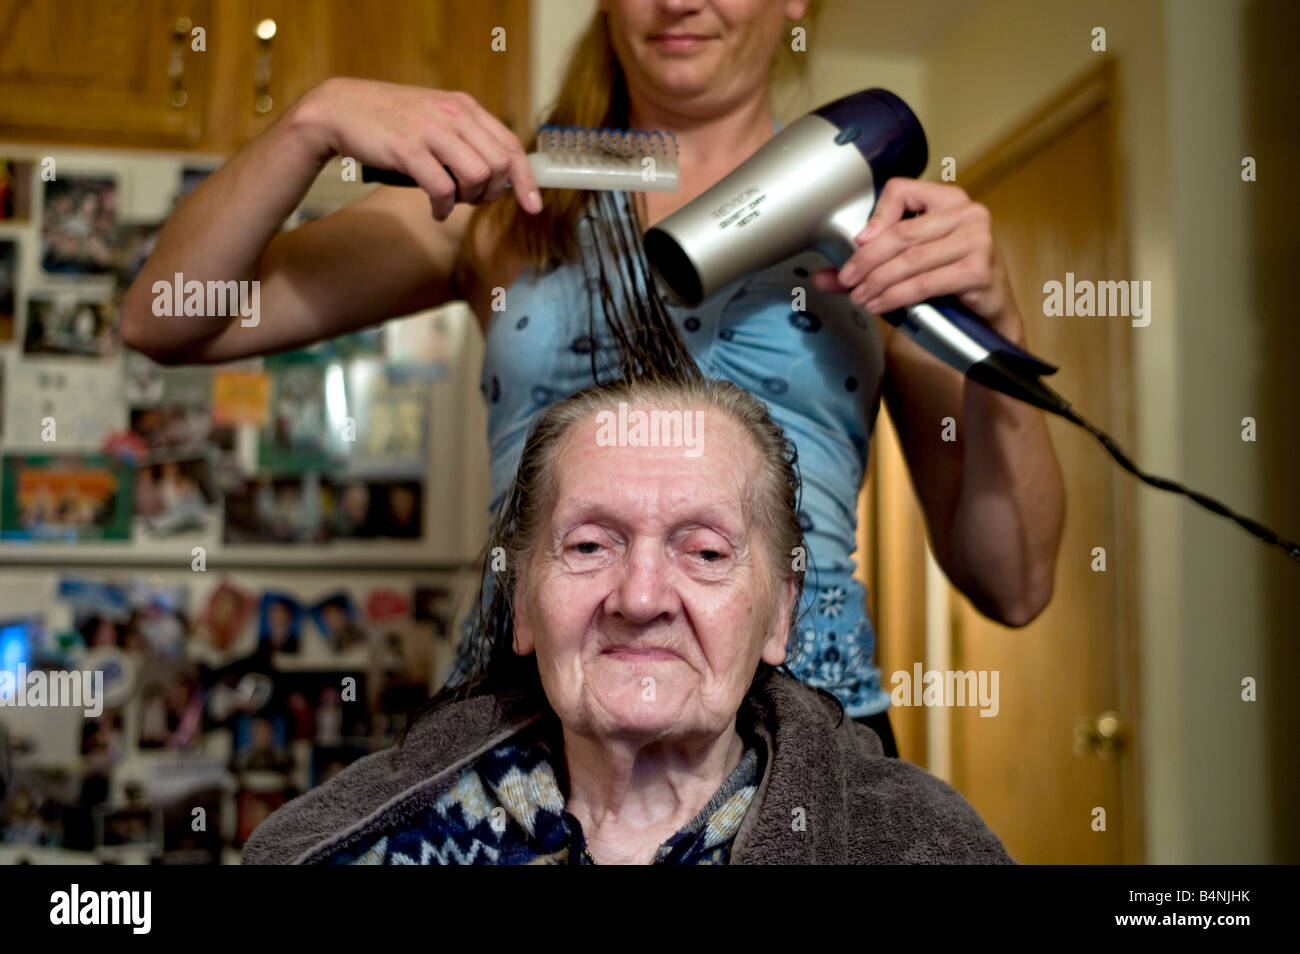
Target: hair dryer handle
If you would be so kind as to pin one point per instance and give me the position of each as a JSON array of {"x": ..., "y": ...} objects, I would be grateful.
[
  {"x": 952, "y": 327},
  {"x": 943, "y": 326},
  {"x": 956, "y": 336}
]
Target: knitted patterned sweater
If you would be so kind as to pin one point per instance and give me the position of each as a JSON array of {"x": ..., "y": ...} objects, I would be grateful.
[{"x": 508, "y": 809}]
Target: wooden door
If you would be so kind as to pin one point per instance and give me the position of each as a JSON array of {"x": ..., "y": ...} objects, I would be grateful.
[
  {"x": 100, "y": 73},
  {"x": 1053, "y": 189},
  {"x": 1033, "y": 772}
]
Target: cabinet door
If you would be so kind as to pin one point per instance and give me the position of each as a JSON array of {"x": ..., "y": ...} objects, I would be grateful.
[
  {"x": 441, "y": 44},
  {"x": 101, "y": 73}
]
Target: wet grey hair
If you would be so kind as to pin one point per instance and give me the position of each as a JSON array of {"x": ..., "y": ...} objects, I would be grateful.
[{"x": 517, "y": 531}]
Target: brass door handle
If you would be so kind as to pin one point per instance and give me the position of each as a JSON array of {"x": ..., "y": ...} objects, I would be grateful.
[{"x": 1102, "y": 735}]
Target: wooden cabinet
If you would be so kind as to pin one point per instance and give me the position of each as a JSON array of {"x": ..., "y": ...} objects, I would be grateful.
[
  {"x": 98, "y": 73},
  {"x": 106, "y": 74}
]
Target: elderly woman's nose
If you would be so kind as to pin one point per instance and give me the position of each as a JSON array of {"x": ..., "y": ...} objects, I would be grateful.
[{"x": 643, "y": 590}]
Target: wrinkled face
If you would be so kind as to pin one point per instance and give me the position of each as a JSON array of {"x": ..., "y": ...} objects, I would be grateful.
[
  {"x": 649, "y": 597},
  {"x": 702, "y": 53}
]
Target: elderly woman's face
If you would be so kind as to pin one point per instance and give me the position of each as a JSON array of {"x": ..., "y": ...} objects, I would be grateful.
[
  {"x": 649, "y": 598},
  {"x": 698, "y": 51}
]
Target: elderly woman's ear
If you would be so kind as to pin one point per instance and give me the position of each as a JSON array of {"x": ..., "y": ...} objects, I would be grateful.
[
  {"x": 525, "y": 639},
  {"x": 779, "y": 636}
]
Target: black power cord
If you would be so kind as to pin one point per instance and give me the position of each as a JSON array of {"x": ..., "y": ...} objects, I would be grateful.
[{"x": 1058, "y": 405}]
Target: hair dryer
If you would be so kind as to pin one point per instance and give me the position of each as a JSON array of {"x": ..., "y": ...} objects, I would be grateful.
[{"x": 814, "y": 185}]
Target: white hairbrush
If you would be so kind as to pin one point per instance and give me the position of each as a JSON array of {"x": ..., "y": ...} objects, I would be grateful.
[{"x": 574, "y": 157}]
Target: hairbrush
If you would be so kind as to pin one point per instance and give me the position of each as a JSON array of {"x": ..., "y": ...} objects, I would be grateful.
[{"x": 575, "y": 157}]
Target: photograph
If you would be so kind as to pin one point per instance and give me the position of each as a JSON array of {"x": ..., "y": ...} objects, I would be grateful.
[
  {"x": 433, "y": 604},
  {"x": 283, "y": 509},
  {"x": 324, "y": 707},
  {"x": 79, "y": 225},
  {"x": 175, "y": 496},
  {"x": 240, "y": 397},
  {"x": 35, "y": 805},
  {"x": 160, "y": 611},
  {"x": 366, "y": 509},
  {"x": 280, "y": 626},
  {"x": 173, "y": 431},
  {"x": 391, "y": 422},
  {"x": 387, "y": 603},
  {"x": 171, "y": 706},
  {"x": 254, "y": 807},
  {"x": 303, "y": 433},
  {"x": 68, "y": 324},
  {"x": 337, "y": 623},
  {"x": 65, "y": 498},
  {"x": 135, "y": 828},
  {"x": 234, "y": 690},
  {"x": 131, "y": 246},
  {"x": 261, "y": 745},
  {"x": 228, "y": 611},
  {"x": 102, "y": 740},
  {"x": 188, "y": 788},
  {"x": 184, "y": 843},
  {"x": 15, "y": 189},
  {"x": 9, "y": 264},
  {"x": 102, "y": 613},
  {"x": 402, "y": 662}
]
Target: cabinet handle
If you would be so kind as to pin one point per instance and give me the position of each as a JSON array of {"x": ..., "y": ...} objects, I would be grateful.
[
  {"x": 176, "y": 63},
  {"x": 263, "y": 103}
]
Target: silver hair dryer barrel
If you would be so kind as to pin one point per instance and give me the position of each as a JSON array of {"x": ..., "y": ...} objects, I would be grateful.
[{"x": 814, "y": 186}]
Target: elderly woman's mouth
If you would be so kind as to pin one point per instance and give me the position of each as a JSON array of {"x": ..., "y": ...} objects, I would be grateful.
[{"x": 640, "y": 653}]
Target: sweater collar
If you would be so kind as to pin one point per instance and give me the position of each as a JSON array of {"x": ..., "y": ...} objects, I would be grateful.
[{"x": 789, "y": 818}]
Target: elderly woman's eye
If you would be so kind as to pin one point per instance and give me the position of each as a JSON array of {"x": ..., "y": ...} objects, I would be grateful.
[
  {"x": 584, "y": 547},
  {"x": 709, "y": 556}
]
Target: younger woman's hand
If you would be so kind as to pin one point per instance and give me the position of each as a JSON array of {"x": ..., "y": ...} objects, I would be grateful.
[
  {"x": 946, "y": 249},
  {"x": 416, "y": 130}
]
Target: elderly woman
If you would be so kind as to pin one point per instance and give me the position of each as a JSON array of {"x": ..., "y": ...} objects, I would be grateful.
[{"x": 628, "y": 708}]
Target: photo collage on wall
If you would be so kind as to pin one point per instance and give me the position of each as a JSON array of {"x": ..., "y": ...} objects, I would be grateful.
[
  {"x": 230, "y": 689},
  {"x": 98, "y": 442},
  {"x": 225, "y": 695}
]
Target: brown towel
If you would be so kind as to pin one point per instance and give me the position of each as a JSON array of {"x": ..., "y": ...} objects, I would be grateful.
[{"x": 828, "y": 795}]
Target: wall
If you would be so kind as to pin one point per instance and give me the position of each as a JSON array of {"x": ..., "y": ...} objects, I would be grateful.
[
  {"x": 1203, "y": 625},
  {"x": 1272, "y": 127},
  {"x": 556, "y": 25},
  {"x": 1235, "y": 252}
]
